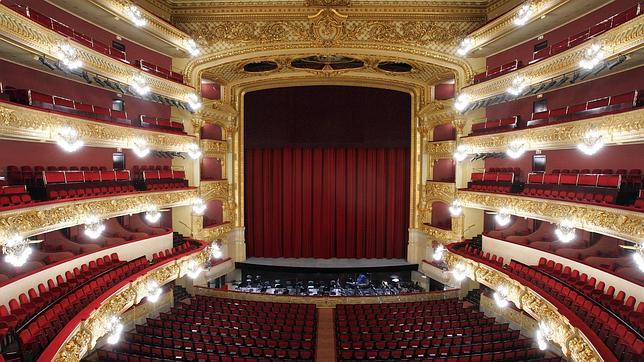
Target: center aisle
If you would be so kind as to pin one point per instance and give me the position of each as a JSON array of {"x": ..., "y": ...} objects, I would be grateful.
[{"x": 325, "y": 346}]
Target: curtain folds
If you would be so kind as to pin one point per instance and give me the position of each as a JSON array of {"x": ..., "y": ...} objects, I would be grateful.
[{"x": 327, "y": 202}]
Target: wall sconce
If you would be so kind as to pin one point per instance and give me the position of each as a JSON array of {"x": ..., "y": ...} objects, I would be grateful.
[
  {"x": 524, "y": 14},
  {"x": 68, "y": 139},
  {"x": 591, "y": 143},
  {"x": 140, "y": 85},
  {"x": 455, "y": 209},
  {"x": 94, "y": 227},
  {"x": 503, "y": 217},
  {"x": 566, "y": 231},
  {"x": 516, "y": 149},
  {"x": 465, "y": 46},
  {"x": 194, "y": 101},
  {"x": 543, "y": 333},
  {"x": 136, "y": 16},
  {"x": 115, "y": 328},
  {"x": 215, "y": 250},
  {"x": 592, "y": 56},
  {"x": 193, "y": 269},
  {"x": 140, "y": 147},
  {"x": 501, "y": 296},
  {"x": 153, "y": 292},
  {"x": 153, "y": 214},
  {"x": 459, "y": 272},
  {"x": 462, "y": 101},
  {"x": 68, "y": 55},
  {"x": 198, "y": 206},
  {"x": 519, "y": 84},
  {"x": 439, "y": 253},
  {"x": 16, "y": 250},
  {"x": 461, "y": 153},
  {"x": 194, "y": 151},
  {"x": 192, "y": 47},
  {"x": 638, "y": 256}
]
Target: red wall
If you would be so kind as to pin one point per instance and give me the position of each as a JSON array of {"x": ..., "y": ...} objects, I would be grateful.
[
  {"x": 605, "y": 86},
  {"x": 211, "y": 131},
  {"x": 18, "y": 153},
  {"x": 440, "y": 215},
  {"x": 134, "y": 51},
  {"x": 444, "y": 91},
  {"x": 613, "y": 157},
  {"x": 210, "y": 169},
  {"x": 210, "y": 90},
  {"x": 26, "y": 78},
  {"x": 524, "y": 51},
  {"x": 444, "y": 170},
  {"x": 214, "y": 213},
  {"x": 444, "y": 132}
]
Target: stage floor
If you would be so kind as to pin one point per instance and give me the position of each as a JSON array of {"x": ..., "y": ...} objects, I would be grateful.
[{"x": 333, "y": 263}]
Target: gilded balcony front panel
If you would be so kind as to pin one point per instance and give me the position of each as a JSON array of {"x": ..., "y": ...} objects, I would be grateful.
[
  {"x": 214, "y": 190},
  {"x": 24, "y": 123},
  {"x": 215, "y": 232},
  {"x": 440, "y": 150},
  {"x": 39, "y": 219},
  {"x": 619, "y": 223},
  {"x": 440, "y": 191},
  {"x": 215, "y": 149}
]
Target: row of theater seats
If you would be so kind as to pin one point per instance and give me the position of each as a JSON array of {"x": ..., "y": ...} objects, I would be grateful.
[
  {"x": 604, "y": 253},
  {"x": 29, "y": 176},
  {"x": 16, "y": 195},
  {"x": 96, "y": 113},
  {"x": 445, "y": 330},
  {"x": 605, "y": 336},
  {"x": 187, "y": 246},
  {"x": 216, "y": 329},
  {"x": 94, "y": 44},
  {"x": 570, "y": 42},
  {"x": 619, "y": 336},
  {"x": 591, "y": 108}
]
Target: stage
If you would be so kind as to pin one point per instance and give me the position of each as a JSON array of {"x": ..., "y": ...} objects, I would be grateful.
[{"x": 333, "y": 265}]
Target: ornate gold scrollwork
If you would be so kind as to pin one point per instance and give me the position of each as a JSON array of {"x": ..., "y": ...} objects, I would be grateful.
[
  {"x": 215, "y": 232},
  {"x": 215, "y": 149},
  {"x": 215, "y": 190}
]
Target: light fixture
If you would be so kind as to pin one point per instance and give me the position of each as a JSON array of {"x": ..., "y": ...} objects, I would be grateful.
[
  {"x": 501, "y": 296},
  {"x": 462, "y": 101},
  {"x": 192, "y": 47},
  {"x": 461, "y": 153},
  {"x": 193, "y": 269},
  {"x": 194, "y": 151},
  {"x": 542, "y": 336},
  {"x": 16, "y": 250},
  {"x": 68, "y": 139},
  {"x": 592, "y": 142},
  {"x": 194, "y": 101},
  {"x": 438, "y": 252},
  {"x": 68, "y": 55},
  {"x": 215, "y": 250},
  {"x": 140, "y": 85},
  {"x": 524, "y": 14},
  {"x": 516, "y": 149},
  {"x": 153, "y": 292},
  {"x": 153, "y": 214},
  {"x": 395, "y": 279},
  {"x": 455, "y": 209},
  {"x": 592, "y": 56},
  {"x": 140, "y": 147},
  {"x": 94, "y": 227},
  {"x": 566, "y": 231},
  {"x": 114, "y": 328},
  {"x": 503, "y": 217},
  {"x": 638, "y": 256},
  {"x": 518, "y": 85},
  {"x": 459, "y": 272},
  {"x": 198, "y": 206},
  {"x": 465, "y": 46},
  {"x": 136, "y": 16}
]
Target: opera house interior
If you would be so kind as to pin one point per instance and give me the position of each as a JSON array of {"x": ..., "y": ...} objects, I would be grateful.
[{"x": 321, "y": 180}]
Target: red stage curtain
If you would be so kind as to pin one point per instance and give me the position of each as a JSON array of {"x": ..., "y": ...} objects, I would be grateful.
[{"x": 327, "y": 202}]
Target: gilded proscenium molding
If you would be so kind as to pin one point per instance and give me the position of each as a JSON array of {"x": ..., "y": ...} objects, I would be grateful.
[
  {"x": 434, "y": 114},
  {"x": 504, "y": 24},
  {"x": 618, "y": 128},
  {"x": 27, "y": 34},
  {"x": 156, "y": 26},
  {"x": 619, "y": 223},
  {"x": 221, "y": 114},
  {"x": 623, "y": 39},
  {"x": 18, "y": 122},
  {"x": 84, "y": 337},
  {"x": 214, "y": 190},
  {"x": 574, "y": 344},
  {"x": 215, "y": 149},
  {"x": 39, "y": 219}
]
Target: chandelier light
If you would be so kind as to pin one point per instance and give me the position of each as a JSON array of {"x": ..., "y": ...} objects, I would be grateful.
[
  {"x": 524, "y": 14},
  {"x": 518, "y": 86},
  {"x": 154, "y": 292},
  {"x": 140, "y": 85},
  {"x": 501, "y": 296},
  {"x": 638, "y": 256},
  {"x": 153, "y": 215},
  {"x": 461, "y": 153},
  {"x": 592, "y": 56},
  {"x": 438, "y": 253},
  {"x": 465, "y": 46},
  {"x": 542, "y": 336},
  {"x": 16, "y": 250},
  {"x": 459, "y": 272},
  {"x": 462, "y": 101},
  {"x": 194, "y": 101},
  {"x": 592, "y": 142},
  {"x": 215, "y": 250},
  {"x": 503, "y": 218},
  {"x": 136, "y": 16},
  {"x": 194, "y": 269},
  {"x": 68, "y": 139},
  {"x": 455, "y": 209},
  {"x": 94, "y": 227},
  {"x": 68, "y": 55},
  {"x": 140, "y": 147},
  {"x": 194, "y": 151},
  {"x": 516, "y": 149},
  {"x": 566, "y": 231},
  {"x": 114, "y": 328},
  {"x": 198, "y": 206},
  {"x": 192, "y": 47}
]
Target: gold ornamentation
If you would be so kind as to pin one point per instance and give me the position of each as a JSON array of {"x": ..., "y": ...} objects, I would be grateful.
[
  {"x": 436, "y": 113},
  {"x": 623, "y": 39},
  {"x": 441, "y": 235},
  {"x": 214, "y": 190},
  {"x": 572, "y": 341},
  {"x": 440, "y": 191},
  {"x": 441, "y": 150},
  {"x": 215, "y": 149},
  {"x": 620, "y": 223},
  {"x": 215, "y": 232},
  {"x": 39, "y": 219},
  {"x": 328, "y": 2},
  {"x": 327, "y": 26},
  {"x": 619, "y": 128},
  {"x": 19, "y": 122}
]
